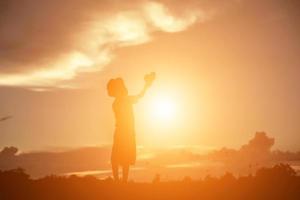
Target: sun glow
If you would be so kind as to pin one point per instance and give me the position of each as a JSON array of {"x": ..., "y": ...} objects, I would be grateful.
[
  {"x": 163, "y": 118},
  {"x": 163, "y": 109}
]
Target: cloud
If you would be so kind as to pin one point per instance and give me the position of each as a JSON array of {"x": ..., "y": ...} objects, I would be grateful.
[
  {"x": 43, "y": 44},
  {"x": 261, "y": 143},
  {"x": 8, "y": 152},
  {"x": 162, "y": 19}
]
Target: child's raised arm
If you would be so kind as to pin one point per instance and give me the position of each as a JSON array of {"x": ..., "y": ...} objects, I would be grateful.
[{"x": 149, "y": 78}]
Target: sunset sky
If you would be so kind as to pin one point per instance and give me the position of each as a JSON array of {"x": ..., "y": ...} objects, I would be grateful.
[{"x": 225, "y": 69}]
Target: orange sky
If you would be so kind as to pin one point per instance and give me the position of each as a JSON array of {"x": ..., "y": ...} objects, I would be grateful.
[{"x": 231, "y": 68}]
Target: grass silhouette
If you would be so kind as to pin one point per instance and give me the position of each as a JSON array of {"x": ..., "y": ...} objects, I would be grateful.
[{"x": 278, "y": 182}]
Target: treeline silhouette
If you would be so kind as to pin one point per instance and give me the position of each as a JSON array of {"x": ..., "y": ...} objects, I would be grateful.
[
  {"x": 277, "y": 182},
  {"x": 256, "y": 153}
]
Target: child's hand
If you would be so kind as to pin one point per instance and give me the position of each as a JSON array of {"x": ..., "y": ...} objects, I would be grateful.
[{"x": 149, "y": 78}]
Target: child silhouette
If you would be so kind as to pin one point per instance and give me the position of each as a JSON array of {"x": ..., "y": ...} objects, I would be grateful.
[{"x": 124, "y": 145}]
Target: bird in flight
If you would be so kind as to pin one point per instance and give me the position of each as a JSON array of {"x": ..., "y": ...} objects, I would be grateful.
[{"x": 5, "y": 118}]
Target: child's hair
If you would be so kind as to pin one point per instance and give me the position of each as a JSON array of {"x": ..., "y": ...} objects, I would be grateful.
[{"x": 116, "y": 87}]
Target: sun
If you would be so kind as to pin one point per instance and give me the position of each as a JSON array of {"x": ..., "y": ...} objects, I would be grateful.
[
  {"x": 162, "y": 116},
  {"x": 163, "y": 109}
]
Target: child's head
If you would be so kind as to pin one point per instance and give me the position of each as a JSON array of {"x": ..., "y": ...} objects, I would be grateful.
[{"x": 116, "y": 88}]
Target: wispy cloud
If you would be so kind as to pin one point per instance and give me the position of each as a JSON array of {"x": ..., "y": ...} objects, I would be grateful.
[{"x": 45, "y": 43}]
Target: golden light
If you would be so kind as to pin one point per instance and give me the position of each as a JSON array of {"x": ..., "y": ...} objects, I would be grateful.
[
  {"x": 162, "y": 118},
  {"x": 163, "y": 109}
]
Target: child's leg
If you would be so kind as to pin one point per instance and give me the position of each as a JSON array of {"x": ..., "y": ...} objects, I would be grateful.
[
  {"x": 115, "y": 169},
  {"x": 125, "y": 172}
]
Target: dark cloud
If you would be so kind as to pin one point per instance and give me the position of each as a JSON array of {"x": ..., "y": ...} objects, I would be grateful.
[
  {"x": 8, "y": 152},
  {"x": 33, "y": 32},
  {"x": 261, "y": 143}
]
